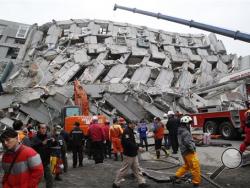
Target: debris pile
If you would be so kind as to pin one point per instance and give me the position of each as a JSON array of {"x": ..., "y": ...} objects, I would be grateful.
[{"x": 127, "y": 70}]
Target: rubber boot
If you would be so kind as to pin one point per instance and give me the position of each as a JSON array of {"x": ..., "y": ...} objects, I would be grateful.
[{"x": 158, "y": 154}]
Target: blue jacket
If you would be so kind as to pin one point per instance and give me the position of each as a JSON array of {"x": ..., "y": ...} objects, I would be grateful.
[{"x": 142, "y": 130}]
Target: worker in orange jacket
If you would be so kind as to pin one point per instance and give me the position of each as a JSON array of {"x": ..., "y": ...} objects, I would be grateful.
[
  {"x": 158, "y": 129},
  {"x": 115, "y": 137}
]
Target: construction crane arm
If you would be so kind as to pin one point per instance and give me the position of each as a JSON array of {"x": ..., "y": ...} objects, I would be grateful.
[{"x": 81, "y": 98}]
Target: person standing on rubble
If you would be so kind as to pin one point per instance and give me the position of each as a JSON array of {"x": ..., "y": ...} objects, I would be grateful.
[
  {"x": 115, "y": 136},
  {"x": 107, "y": 144},
  {"x": 143, "y": 130},
  {"x": 158, "y": 130},
  {"x": 96, "y": 134},
  {"x": 246, "y": 129},
  {"x": 130, "y": 158},
  {"x": 76, "y": 138},
  {"x": 42, "y": 143},
  {"x": 172, "y": 126},
  {"x": 188, "y": 152},
  {"x": 21, "y": 164}
]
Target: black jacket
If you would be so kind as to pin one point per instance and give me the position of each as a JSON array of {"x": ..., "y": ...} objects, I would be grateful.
[
  {"x": 172, "y": 125},
  {"x": 76, "y": 137},
  {"x": 130, "y": 147},
  {"x": 44, "y": 150}
]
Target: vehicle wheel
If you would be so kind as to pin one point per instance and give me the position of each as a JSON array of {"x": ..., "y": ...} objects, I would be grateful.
[
  {"x": 227, "y": 130},
  {"x": 211, "y": 127}
]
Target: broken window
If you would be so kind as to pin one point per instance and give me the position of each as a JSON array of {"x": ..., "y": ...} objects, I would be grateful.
[
  {"x": 158, "y": 61},
  {"x": 177, "y": 49},
  {"x": 132, "y": 60},
  {"x": 121, "y": 40},
  {"x": 114, "y": 56},
  {"x": 12, "y": 53},
  {"x": 66, "y": 32},
  {"x": 103, "y": 29},
  {"x": 194, "y": 51},
  {"x": 22, "y": 31},
  {"x": 174, "y": 40},
  {"x": 143, "y": 42}
]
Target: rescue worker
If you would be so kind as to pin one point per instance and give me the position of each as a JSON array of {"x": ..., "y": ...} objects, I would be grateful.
[
  {"x": 166, "y": 132},
  {"x": 42, "y": 143},
  {"x": 246, "y": 128},
  {"x": 107, "y": 143},
  {"x": 66, "y": 139},
  {"x": 130, "y": 158},
  {"x": 76, "y": 137},
  {"x": 122, "y": 123},
  {"x": 143, "y": 130},
  {"x": 56, "y": 152},
  {"x": 158, "y": 130},
  {"x": 115, "y": 136},
  {"x": 21, "y": 164},
  {"x": 172, "y": 126},
  {"x": 96, "y": 134},
  {"x": 188, "y": 152},
  {"x": 22, "y": 137}
]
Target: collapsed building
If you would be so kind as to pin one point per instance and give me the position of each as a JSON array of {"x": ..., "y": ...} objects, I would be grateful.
[{"x": 127, "y": 70}]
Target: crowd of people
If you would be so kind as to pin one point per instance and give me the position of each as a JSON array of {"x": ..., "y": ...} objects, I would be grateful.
[{"x": 30, "y": 155}]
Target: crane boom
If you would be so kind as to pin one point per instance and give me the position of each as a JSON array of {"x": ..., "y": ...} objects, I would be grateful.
[
  {"x": 81, "y": 98},
  {"x": 237, "y": 35}
]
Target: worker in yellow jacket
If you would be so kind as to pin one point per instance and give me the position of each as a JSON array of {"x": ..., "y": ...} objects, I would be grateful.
[{"x": 188, "y": 151}]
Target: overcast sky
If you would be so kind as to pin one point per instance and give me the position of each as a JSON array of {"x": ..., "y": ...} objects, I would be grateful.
[{"x": 230, "y": 14}]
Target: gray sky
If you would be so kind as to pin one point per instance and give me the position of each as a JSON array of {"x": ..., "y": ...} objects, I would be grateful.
[{"x": 230, "y": 14}]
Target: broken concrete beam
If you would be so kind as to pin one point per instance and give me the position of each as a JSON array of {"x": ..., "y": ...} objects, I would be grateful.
[
  {"x": 127, "y": 106},
  {"x": 185, "y": 80},
  {"x": 220, "y": 66},
  {"x": 96, "y": 48},
  {"x": 90, "y": 40},
  {"x": 155, "y": 52},
  {"x": 116, "y": 74},
  {"x": 92, "y": 72},
  {"x": 202, "y": 52},
  {"x": 117, "y": 88},
  {"x": 244, "y": 62},
  {"x": 205, "y": 67},
  {"x": 6, "y": 101},
  {"x": 75, "y": 31},
  {"x": 81, "y": 57},
  {"x": 164, "y": 79},
  {"x": 66, "y": 73},
  {"x": 141, "y": 75}
]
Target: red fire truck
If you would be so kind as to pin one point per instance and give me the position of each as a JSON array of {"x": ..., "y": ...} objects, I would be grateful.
[{"x": 225, "y": 123}]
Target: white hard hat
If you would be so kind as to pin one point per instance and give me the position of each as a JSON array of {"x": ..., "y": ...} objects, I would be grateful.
[
  {"x": 170, "y": 113},
  {"x": 165, "y": 115},
  {"x": 186, "y": 119},
  {"x": 94, "y": 118}
]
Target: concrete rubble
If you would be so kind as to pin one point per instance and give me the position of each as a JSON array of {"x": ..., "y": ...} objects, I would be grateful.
[{"x": 127, "y": 70}]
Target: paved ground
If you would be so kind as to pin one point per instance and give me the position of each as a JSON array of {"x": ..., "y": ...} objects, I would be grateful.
[{"x": 102, "y": 175}]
